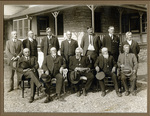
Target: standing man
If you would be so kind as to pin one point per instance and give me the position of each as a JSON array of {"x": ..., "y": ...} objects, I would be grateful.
[
  {"x": 31, "y": 43},
  {"x": 127, "y": 63},
  {"x": 13, "y": 52},
  {"x": 68, "y": 47},
  {"x": 91, "y": 45},
  {"x": 106, "y": 64},
  {"x": 48, "y": 42},
  {"x": 53, "y": 66},
  {"x": 112, "y": 42},
  {"x": 133, "y": 45}
]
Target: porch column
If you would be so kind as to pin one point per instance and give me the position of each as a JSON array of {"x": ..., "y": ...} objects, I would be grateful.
[
  {"x": 92, "y": 7},
  {"x": 55, "y": 14},
  {"x": 141, "y": 14},
  {"x": 120, "y": 22}
]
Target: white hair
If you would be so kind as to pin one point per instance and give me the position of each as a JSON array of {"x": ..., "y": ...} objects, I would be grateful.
[
  {"x": 79, "y": 49},
  {"x": 104, "y": 49},
  {"x": 13, "y": 32}
]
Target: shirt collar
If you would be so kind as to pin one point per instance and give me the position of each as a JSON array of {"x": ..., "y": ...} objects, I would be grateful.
[
  {"x": 30, "y": 39},
  {"x": 14, "y": 40}
]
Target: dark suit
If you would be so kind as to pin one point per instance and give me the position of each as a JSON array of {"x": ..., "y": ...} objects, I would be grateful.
[
  {"x": 68, "y": 49},
  {"x": 84, "y": 62},
  {"x": 32, "y": 47},
  {"x": 112, "y": 45},
  {"x": 12, "y": 50},
  {"x": 33, "y": 75},
  {"x": 134, "y": 48},
  {"x": 96, "y": 43},
  {"x": 106, "y": 66},
  {"x": 132, "y": 63},
  {"x": 46, "y": 44},
  {"x": 53, "y": 66}
]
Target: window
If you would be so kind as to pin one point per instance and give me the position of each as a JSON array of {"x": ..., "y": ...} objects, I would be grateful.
[
  {"x": 97, "y": 22},
  {"x": 60, "y": 26},
  {"x": 135, "y": 24},
  {"x": 22, "y": 26},
  {"x": 42, "y": 24},
  {"x": 144, "y": 23}
]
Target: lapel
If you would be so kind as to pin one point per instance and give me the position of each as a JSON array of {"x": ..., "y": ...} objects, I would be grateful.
[
  {"x": 28, "y": 43},
  {"x": 72, "y": 42},
  {"x": 132, "y": 44},
  {"x": 52, "y": 40},
  {"x": 51, "y": 61}
]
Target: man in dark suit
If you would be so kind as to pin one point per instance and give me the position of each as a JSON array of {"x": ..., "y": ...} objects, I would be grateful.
[
  {"x": 27, "y": 66},
  {"x": 31, "y": 43},
  {"x": 133, "y": 45},
  {"x": 112, "y": 42},
  {"x": 91, "y": 45},
  {"x": 48, "y": 42},
  {"x": 68, "y": 47},
  {"x": 80, "y": 66},
  {"x": 127, "y": 63},
  {"x": 13, "y": 52},
  {"x": 105, "y": 63},
  {"x": 53, "y": 66}
]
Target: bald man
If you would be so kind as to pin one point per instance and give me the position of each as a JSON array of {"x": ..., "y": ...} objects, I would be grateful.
[
  {"x": 27, "y": 66},
  {"x": 13, "y": 52},
  {"x": 106, "y": 63},
  {"x": 31, "y": 43}
]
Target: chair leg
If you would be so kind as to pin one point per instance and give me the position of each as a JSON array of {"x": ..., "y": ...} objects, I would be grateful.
[
  {"x": 64, "y": 89},
  {"x": 37, "y": 91},
  {"x": 22, "y": 88}
]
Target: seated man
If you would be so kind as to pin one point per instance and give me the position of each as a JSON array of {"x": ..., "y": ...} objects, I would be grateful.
[
  {"x": 27, "y": 66},
  {"x": 105, "y": 63},
  {"x": 80, "y": 66},
  {"x": 53, "y": 66},
  {"x": 127, "y": 63}
]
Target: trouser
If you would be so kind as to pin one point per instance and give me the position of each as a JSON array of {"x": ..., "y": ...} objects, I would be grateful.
[
  {"x": 89, "y": 81},
  {"x": 114, "y": 79},
  {"x": 59, "y": 84},
  {"x": 34, "y": 81},
  {"x": 11, "y": 71},
  {"x": 132, "y": 80}
]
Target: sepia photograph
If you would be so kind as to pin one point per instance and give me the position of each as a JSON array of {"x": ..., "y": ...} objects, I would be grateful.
[{"x": 75, "y": 58}]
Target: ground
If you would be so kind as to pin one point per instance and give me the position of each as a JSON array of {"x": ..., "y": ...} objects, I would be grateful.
[{"x": 93, "y": 102}]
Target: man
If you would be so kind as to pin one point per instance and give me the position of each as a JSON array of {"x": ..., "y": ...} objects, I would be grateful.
[
  {"x": 53, "y": 66},
  {"x": 112, "y": 42},
  {"x": 133, "y": 45},
  {"x": 31, "y": 43},
  {"x": 105, "y": 63},
  {"x": 13, "y": 52},
  {"x": 68, "y": 47},
  {"x": 80, "y": 66},
  {"x": 48, "y": 42},
  {"x": 91, "y": 45},
  {"x": 127, "y": 62},
  {"x": 27, "y": 67}
]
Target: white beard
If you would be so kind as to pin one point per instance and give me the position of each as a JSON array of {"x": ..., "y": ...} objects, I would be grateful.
[{"x": 106, "y": 56}]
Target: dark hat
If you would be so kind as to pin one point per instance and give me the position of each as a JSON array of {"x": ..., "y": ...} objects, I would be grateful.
[
  {"x": 100, "y": 75},
  {"x": 74, "y": 78},
  {"x": 46, "y": 78},
  {"x": 127, "y": 71},
  {"x": 24, "y": 65}
]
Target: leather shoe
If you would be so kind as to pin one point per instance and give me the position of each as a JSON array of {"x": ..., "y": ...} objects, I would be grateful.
[
  {"x": 42, "y": 89},
  {"x": 134, "y": 93},
  {"x": 84, "y": 92},
  {"x": 127, "y": 93},
  {"x": 119, "y": 94},
  {"x": 48, "y": 99},
  {"x": 78, "y": 94},
  {"x": 103, "y": 94},
  {"x": 10, "y": 90},
  {"x": 31, "y": 99}
]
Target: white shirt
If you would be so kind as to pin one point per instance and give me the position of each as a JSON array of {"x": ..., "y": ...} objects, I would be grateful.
[
  {"x": 14, "y": 40},
  {"x": 91, "y": 47},
  {"x": 30, "y": 39},
  {"x": 129, "y": 42},
  {"x": 111, "y": 35},
  {"x": 49, "y": 37}
]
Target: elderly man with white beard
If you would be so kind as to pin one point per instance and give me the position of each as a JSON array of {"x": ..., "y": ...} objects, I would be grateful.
[{"x": 105, "y": 66}]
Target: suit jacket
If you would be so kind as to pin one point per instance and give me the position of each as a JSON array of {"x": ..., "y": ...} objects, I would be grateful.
[
  {"x": 28, "y": 44},
  {"x": 84, "y": 62},
  {"x": 13, "y": 49},
  {"x": 33, "y": 64},
  {"x": 132, "y": 63},
  {"x": 45, "y": 47},
  {"x": 107, "y": 42},
  {"x": 100, "y": 62},
  {"x": 134, "y": 48},
  {"x": 68, "y": 49},
  {"x": 53, "y": 65},
  {"x": 96, "y": 42}
]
